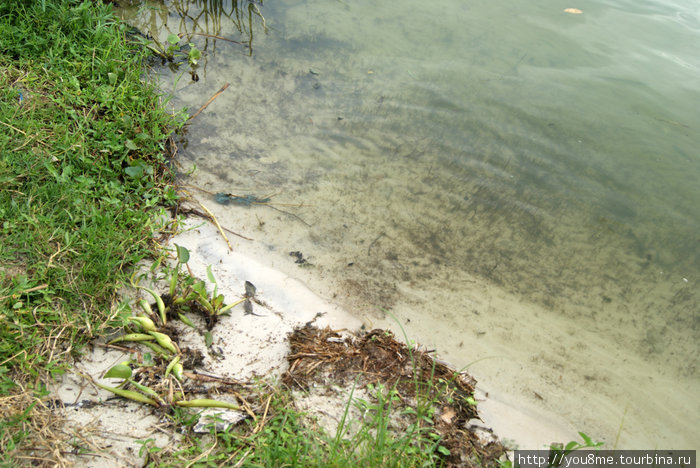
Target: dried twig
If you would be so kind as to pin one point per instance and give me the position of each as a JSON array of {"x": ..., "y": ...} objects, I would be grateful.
[
  {"x": 223, "y": 88},
  {"x": 217, "y": 37},
  {"x": 213, "y": 218}
]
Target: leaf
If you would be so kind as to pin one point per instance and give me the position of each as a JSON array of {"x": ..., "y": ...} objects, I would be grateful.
[
  {"x": 200, "y": 288},
  {"x": 145, "y": 322},
  {"x": 207, "y": 403},
  {"x": 131, "y": 145},
  {"x": 208, "y": 339},
  {"x": 210, "y": 275},
  {"x": 173, "y": 39},
  {"x": 585, "y": 438},
  {"x": 195, "y": 53},
  {"x": 120, "y": 371},
  {"x": 169, "y": 369},
  {"x": 136, "y": 396},
  {"x": 134, "y": 171},
  {"x": 159, "y": 302},
  {"x": 173, "y": 280},
  {"x": 164, "y": 340},
  {"x": 184, "y": 319},
  {"x": 132, "y": 337},
  {"x": 183, "y": 255},
  {"x": 145, "y": 306},
  {"x": 178, "y": 371}
]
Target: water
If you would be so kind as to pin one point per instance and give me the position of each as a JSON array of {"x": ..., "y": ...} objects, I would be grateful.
[{"x": 509, "y": 181}]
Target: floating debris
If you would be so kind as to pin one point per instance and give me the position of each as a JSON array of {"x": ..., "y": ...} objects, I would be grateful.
[
  {"x": 242, "y": 200},
  {"x": 573, "y": 11},
  {"x": 299, "y": 258}
]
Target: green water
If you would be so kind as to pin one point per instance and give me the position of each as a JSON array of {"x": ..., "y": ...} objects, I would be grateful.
[{"x": 417, "y": 147}]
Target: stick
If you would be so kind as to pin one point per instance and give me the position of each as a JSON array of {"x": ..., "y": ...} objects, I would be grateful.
[
  {"x": 213, "y": 218},
  {"x": 199, "y": 213},
  {"x": 223, "y": 88},
  {"x": 17, "y": 129},
  {"x": 217, "y": 37},
  {"x": 26, "y": 291}
]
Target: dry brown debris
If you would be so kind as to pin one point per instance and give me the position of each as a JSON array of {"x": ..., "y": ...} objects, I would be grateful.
[{"x": 325, "y": 357}]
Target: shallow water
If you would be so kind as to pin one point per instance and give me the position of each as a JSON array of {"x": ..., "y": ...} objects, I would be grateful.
[{"x": 509, "y": 181}]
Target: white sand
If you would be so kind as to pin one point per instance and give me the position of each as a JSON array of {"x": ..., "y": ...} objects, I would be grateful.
[
  {"x": 260, "y": 345},
  {"x": 249, "y": 346}
]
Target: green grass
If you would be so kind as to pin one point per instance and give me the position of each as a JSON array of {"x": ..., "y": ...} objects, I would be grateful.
[
  {"x": 288, "y": 437},
  {"x": 82, "y": 166}
]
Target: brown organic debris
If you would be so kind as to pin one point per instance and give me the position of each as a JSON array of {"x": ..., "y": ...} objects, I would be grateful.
[{"x": 324, "y": 357}]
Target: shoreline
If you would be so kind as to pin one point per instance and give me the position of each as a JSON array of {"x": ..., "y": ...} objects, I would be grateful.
[
  {"x": 510, "y": 418},
  {"x": 256, "y": 345}
]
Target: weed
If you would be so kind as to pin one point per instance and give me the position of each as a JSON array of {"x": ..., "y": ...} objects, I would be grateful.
[
  {"x": 558, "y": 451},
  {"x": 184, "y": 294}
]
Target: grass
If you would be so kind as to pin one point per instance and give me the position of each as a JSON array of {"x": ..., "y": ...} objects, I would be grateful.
[
  {"x": 288, "y": 437},
  {"x": 83, "y": 173}
]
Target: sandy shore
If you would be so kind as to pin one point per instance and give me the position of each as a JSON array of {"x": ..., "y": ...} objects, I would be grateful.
[
  {"x": 253, "y": 345},
  {"x": 291, "y": 303}
]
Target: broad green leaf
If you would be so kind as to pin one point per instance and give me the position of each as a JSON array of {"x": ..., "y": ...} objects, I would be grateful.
[
  {"x": 183, "y": 255},
  {"x": 120, "y": 371},
  {"x": 195, "y": 53},
  {"x": 200, "y": 288}
]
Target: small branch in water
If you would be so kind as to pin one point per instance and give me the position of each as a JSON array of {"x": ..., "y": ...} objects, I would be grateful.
[
  {"x": 223, "y": 88},
  {"x": 213, "y": 218},
  {"x": 217, "y": 37},
  {"x": 369, "y": 249},
  {"x": 289, "y": 214}
]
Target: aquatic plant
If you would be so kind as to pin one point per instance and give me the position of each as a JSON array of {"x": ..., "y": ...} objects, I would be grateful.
[{"x": 184, "y": 293}]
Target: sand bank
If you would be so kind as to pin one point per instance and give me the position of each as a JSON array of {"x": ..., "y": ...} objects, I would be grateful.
[{"x": 248, "y": 345}]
